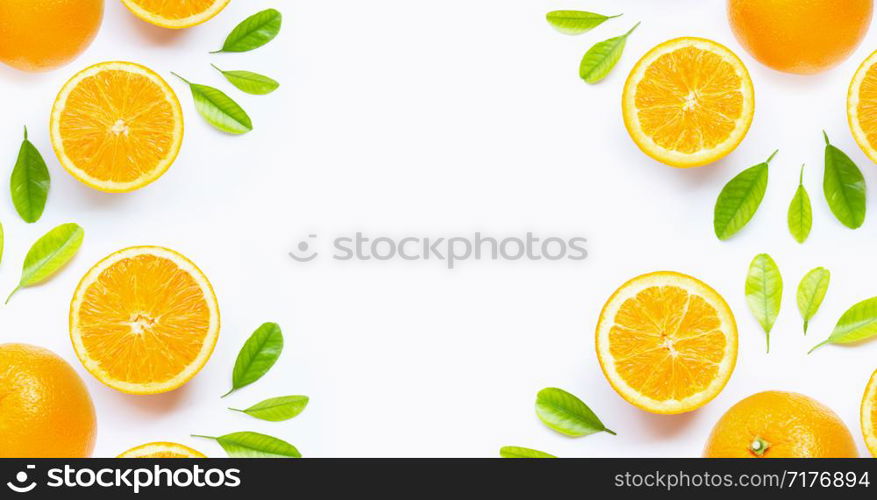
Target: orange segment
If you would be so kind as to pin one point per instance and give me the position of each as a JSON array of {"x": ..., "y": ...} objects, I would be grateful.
[
  {"x": 862, "y": 106},
  {"x": 116, "y": 126},
  {"x": 175, "y": 14},
  {"x": 667, "y": 342},
  {"x": 869, "y": 415},
  {"x": 162, "y": 450},
  {"x": 144, "y": 320},
  {"x": 688, "y": 102}
]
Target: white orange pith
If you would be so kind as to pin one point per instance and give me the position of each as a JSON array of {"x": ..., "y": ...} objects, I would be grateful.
[
  {"x": 667, "y": 342},
  {"x": 162, "y": 450},
  {"x": 144, "y": 320},
  {"x": 862, "y": 106},
  {"x": 869, "y": 415},
  {"x": 688, "y": 102},
  {"x": 177, "y": 13}
]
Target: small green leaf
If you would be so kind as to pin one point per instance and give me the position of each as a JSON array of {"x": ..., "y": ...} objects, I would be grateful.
[
  {"x": 29, "y": 183},
  {"x": 740, "y": 199},
  {"x": 257, "y": 356},
  {"x": 253, "y": 32},
  {"x": 602, "y": 57},
  {"x": 575, "y": 22},
  {"x": 567, "y": 414},
  {"x": 249, "y": 82},
  {"x": 800, "y": 212},
  {"x": 254, "y": 445},
  {"x": 764, "y": 292},
  {"x": 49, "y": 254},
  {"x": 811, "y": 292},
  {"x": 857, "y": 324},
  {"x": 277, "y": 409},
  {"x": 844, "y": 187},
  {"x": 219, "y": 109},
  {"x": 519, "y": 452}
]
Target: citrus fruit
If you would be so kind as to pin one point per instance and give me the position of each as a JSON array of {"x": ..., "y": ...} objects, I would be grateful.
[
  {"x": 162, "y": 450},
  {"x": 667, "y": 342},
  {"x": 800, "y": 37},
  {"x": 776, "y": 424},
  {"x": 869, "y": 415},
  {"x": 862, "y": 106},
  {"x": 116, "y": 126},
  {"x": 144, "y": 320},
  {"x": 45, "y": 409},
  {"x": 39, "y": 35},
  {"x": 175, "y": 14},
  {"x": 688, "y": 102}
]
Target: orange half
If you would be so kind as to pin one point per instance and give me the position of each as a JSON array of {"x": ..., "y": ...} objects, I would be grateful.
[
  {"x": 869, "y": 415},
  {"x": 175, "y": 14},
  {"x": 688, "y": 102},
  {"x": 116, "y": 126},
  {"x": 862, "y": 106},
  {"x": 162, "y": 450},
  {"x": 144, "y": 320},
  {"x": 667, "y": 342}
]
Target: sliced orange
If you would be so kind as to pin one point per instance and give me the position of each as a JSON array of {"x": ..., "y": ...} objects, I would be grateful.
[
  {"x": 162, "y": 450},
  {"x": 175, "y": 14},
  {"x": 667, "y": 342},
  {"x": 869, "y": 415},
  {"x": 862, "y": 106},
  {"x": 144, "y": 320},
  {"x": 116, "y": 126},
  {"x": 688, "y": 102}
]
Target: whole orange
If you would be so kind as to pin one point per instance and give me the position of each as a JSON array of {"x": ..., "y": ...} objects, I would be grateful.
[
  {"x": 800, "y": 36},
  {"x": 45, "y": 409},
  {"x": 39, "y": 35},
  {"x": 776, "y": 424}
]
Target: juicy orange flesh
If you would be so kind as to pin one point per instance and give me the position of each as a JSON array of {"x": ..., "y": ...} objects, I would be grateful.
[
  {"x": 164, "y": 454},
  {"x": 175, "y": 9},
  {"x": 867, "y": 107},
  {"x": 144, "y": 319},
  {"x": 667, "y": 343},
  {"x": 689, "y": 100},
  {"x": 117, "y": 126},
  {"x": 874, "y": 415}
]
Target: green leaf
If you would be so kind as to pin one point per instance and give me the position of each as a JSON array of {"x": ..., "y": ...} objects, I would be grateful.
[
  {"x": 249, "y": 82},
  {"x": 575, "y": 22},
  {"x": 764, "y": 292},
  {"x": 29, "y": 183},
  {"x": 253, "y": 32},
  {"x": 277, "y": 409},
  {"x": 602, "y": 57},
  {"x": 49, "y": 254},
  {"x": 219, "y": 109},
  {"x": 567, "y": 414},
  {"x": 740, "y": 199},
  {"x": 811, "y": 292},
  {"x": 257, "y": 356},
  {"x": 254, "y": 445},
  {"x": 519, "y": 452},
  {"x": 844, "y": 187},
  {"x": 800, "y": 212},
  {"x": 857, "y": 324}
]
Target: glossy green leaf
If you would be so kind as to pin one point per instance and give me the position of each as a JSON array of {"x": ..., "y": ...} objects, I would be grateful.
[
  {"x": 254, "y": 445},
  {"x": 567, "y": 414},
  {"x": 575, "y": 22},
  {"x": 249, "y": 82},
  {"x": 29, "y": 183},
  {"x": 800, "y": 216},
  {"x": 739, "y": 200},
  {"x": 49, "y": 254},
  {"x": 602, "y": 57},
  {"x": 844, "y": 187},
  {"x": 253, "y": 32},
  {"x": 811, "y": 292},
  {"x": 519, "y": 452},
  {"x": 277, "y": 409},
  {"x": 218, "y": 109},
  {"x": 257, "y": 356},
  {"x": 857, "y": 324},
  {"x": 764, "y": 292}
]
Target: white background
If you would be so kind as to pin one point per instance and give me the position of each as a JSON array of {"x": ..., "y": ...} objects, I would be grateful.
[{"x": 439, "y": 119}]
